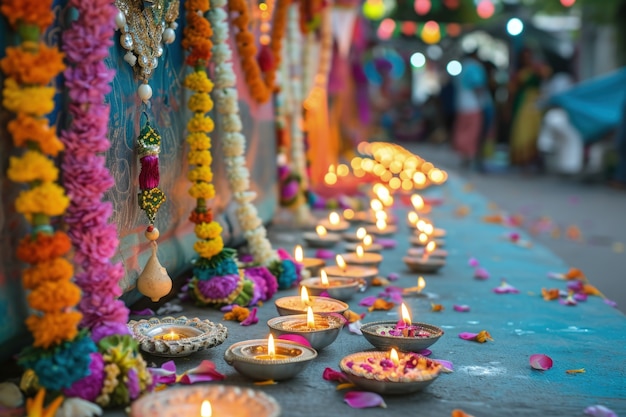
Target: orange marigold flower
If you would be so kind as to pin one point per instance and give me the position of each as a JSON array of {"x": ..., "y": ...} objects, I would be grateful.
[
  {"x": 351, "y": 316},
  {"x": 380, "y": 304},
  {"x": 237, "y": 313},
  {"x": 483, "y": 336},
  {"x": 51, "y": 297},
  {"x": 460, "y": 413},
  {"x": 201, "y": 217},
  {"x": 43, "y": 247},
  {"x": 54, "y": 270},
  {"x": 549, "y": 294},
  {"x": 591, "y": 290},
  {"x": 53, "y": 329},
  {"x": 436, "y": 307},
  {"x": 195, "y": 5},
  {"x": 31, "y": 12},
  {"x": 37, "y": 65},
  {"x": 25, "y": 129},
  {"x": 574, "y": 273}
]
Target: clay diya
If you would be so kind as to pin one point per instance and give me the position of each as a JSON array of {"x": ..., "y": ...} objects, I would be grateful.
[
  {"x": 342, "y": 269},
  {"x": 270, "y": 359},
  {"x": 313, "y": 265},
  {"x": 356, "y": 236},
  {"x": 412, "y": 219},
  {"x": 422, "y": 239},
  {"x": 340, "y": 288},
  {"x": 321, "y": 238},
  {"x": 422, "y": 226},
  {"x": 176, "y": 337},
  {"x": 319, "y": 330},
  {"x": 425, "y": 263},
  {"x": 367, "y": 244},
  {"x": 419, "y": 252},
  {"x": 298, "y": 304},
  {"x": 390, "y": 372},
  {"x": 381, "y": 228},
  {"x": 205, "y": 401},
  {"x": 334, "y": 223},
  {"x": 362, "y": 258},
  {"x": 402, "y": 335}
]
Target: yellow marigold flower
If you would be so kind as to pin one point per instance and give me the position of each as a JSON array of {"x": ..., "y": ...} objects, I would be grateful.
[
  {"x": 202, "y": 190},
  {"x": 483, "y": 336},
  {"x": 200, "y": 103},
  {"x": 51, "y": 297},
  {"x": 35, "y": 101},
  {"x": 200, "y": 158},
  {"x": 208, "y": 230},
  {"x": 32, "y": 166},
  {"x": 48, "y": 198},
  {"x": 199, "y": 82},
  {"x": 201, "y": 173},
  {"x": 25, "y": 129},
  {"x": 209, "y": 248},
  {"x": 54, "y": 270},
  {"x": 200, "y": 123},
  {"x": 199, "y": 141},
  {"x": 54, "y": 328}
]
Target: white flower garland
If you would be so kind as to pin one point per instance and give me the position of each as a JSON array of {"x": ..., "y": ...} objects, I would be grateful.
[{"x": 234, "y": 143}]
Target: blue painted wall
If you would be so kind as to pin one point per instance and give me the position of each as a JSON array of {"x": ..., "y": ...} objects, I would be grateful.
[{"x": 170, "y": 114}]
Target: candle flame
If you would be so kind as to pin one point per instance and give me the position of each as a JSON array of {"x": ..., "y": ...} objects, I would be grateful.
[
  {"x": 417, "y": 201},
  {"x": 367, "y": 240},
  {"x": 348, "y": 214},
  {"x": 341, "y": 263},
  {"x": 361, "y": 232},
  {"x": 376, "y": 205},
  {"x": 271, "y": 349},
  {"x": 406, "y": 317},
  {"x": 304, "y": 296},
  {"x": 381, "y": 224},
  {"x": 320, "y": 230},
  {"x": 206, "y": 410},
  {"x": 333, "y": 218},
  {"x": 413, "y": 217},
  {"x": 423, "y": 237},
  {"x": 310, "y": 318},
  {"x": 421, "y": 224},
  {"x": 381, "y": 215},
  {"x": 393, "y": 356},
  {"x": 324, "y": 278},
  {"x": 431, "y": 246},
  {"x": 429, "y": 229},
  {"x": 298, "y": 254},
  {"x": 421, "y": 284},
  {"x": 359, "y": 251}
]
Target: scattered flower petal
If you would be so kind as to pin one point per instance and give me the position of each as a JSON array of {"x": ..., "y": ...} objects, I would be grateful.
[
  {"x": 574, "y": 273},
  {"x": 513, "y": 237},
  {"x": 237, "y": 313},
  {"x": 569, "y": 301},
  {"x": 324, "y": 294},
  {"x": 325, "y": 254},
  {"x": 251, "y": 319},
  {"x": 368, "y": 301},
  {"x": 386, "y": 243},
  {"x": 144, "y": 312},
  {"x": 600, "y": 411},
  {"x": 575, "y": 371},
  {"x": 227, "y": 308},
  {"x": 76, "y": 406},
  {"x": 505, "y": 288},
  {"x": 591, "y": 290},
  {"x": 362, "y": 399},
  {"x": 425, "y": 352},
  {"x": 468, "y": 336},
  {"x": 355, "y": 327},
  {"x": 268, "y": 382},
  {"x": 462, "y": 211},
  {"x": 462, "y": 308},
  {"x": 460, "y": 413},
  {"x": 580, "y": 296},
  {"x": 393, "y": 276},
  {"x": 295, "y": 338},
  {"x": 540, "y": 362},
  {"x": 202, "y": 373},
  {"x": 436, "y": 307},
  {"x": 550, "y": 294},
  {"x": 351, "y": 316},
  {"x": 379, "y": 282},
  {"x": 331, "y": 375},
  {"x": 166, "y": 374},
  {"x": 345, "y": 385},
  {"x": 556, "y": 275},
  {"x": 473, "y": 262},
  {"x": 481, "y": 273},
  {"x": 480, "y": 337},
  {"x": 446, "y": 366},
  {"x": 380, "y": 304},
  {"x": 610, "y": 303}
]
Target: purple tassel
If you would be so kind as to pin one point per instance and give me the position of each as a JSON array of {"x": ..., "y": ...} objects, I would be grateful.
[{"x": 149, "y": 175}]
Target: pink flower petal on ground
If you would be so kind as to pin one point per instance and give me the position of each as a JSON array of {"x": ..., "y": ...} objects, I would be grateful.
[
  {"x": 513, "y": 236},
  {"x": 610, "y": 303},
  {"x": 295, "y": 338},
  {"x": 166, "y": 374},
  {"x": 600, "y": 411},
  {"x": 473, "y": 262},
  {"x": 569, "y": 301},
  {"x": 227, "y": 308},
  {"x": 468, "y": 336},
  {"x": 386, "y": 243},
  {"x": 367, "y": 301},
  {"x": 332, "y": 375},
  {"x": 540, "y": 362},
  {"x": 324, "y": 254},
  {"x": 580, "y": 296},
  {"x": 202, "y": 373},
  {"x": 362, "y": 399},
  {"x": 356, "y": 327},
  {"x": 505, "y": 288},
  {"x": 393, "y": 276},
  {"x": 462, "y": 308},
  {"x": 446, "y": 366},
  {"x": 144, "y": 312},
  {"x": 425, "y": 352},
  {"x": 251, "y": 319},
  {"x": 481, "y": 273}
]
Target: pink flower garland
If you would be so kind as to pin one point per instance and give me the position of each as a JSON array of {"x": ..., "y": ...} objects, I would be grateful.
[{"x": 86, "y": 44}]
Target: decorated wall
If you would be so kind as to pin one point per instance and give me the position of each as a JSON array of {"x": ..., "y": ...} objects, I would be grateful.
[{"x": 169, "y": 113}]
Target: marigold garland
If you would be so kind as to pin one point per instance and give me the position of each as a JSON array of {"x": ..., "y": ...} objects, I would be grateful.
[{"x": 260, "y": 84}]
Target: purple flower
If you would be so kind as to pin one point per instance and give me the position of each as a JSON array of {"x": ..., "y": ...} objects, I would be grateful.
[
  {"x": 134, "y": 388},
  {"x": 89, "y": 387},
  {"x": 473, "y": 262},
  {"x": 251, "y": 319}
]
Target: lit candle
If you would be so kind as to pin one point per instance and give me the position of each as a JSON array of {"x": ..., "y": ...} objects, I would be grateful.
[
  {"x": 393, "y": 356},
  {"x": 271, "y": 349},
  {"x": 376, "y": 205},
  {"x": 310, "y": 318},
  {"x": 381, "y": 215},
  {"x": 205, "y": 409},
  {"x": 423, "y": 238},
  {"x": 420, "y": 224},
  {"x": 298, "y": 254},
  {"x": 333, "y": 218},
  {"x": 428, "y": 249},
  {"x": 341, "y": 263},
  {"x": 321, "y": 231},
  {"x": 421, "y": 284},
  {"x": 171, "y": 336},
  {"x": 417, "y": 201},
  {"x": 361, "y": 233},
  {"x": 413, "y": 217},
  {"x": 304, "y": 296},
  {"x": 324, "y": 279},
  {"x": 406, "y": 317},
  {"x": 367, "y": 240},
  {"x": 381, "y": 224},
  {"x": 359, "y": 252},
  {"x": 429, "y": 229}
]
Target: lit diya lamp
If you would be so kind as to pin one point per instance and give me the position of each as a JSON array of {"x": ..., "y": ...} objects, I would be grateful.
[
  {"x": 390, "y": 372},
  {"x": 422, "y": 239},
  {"x": 423, "y": 226},
  {"x": 313, "y": 265},
  {"x": 335, "y": 223},
  {"x": 419, "y": 205},
  {"x": 362, "y": 258},
  {"x": 298, "y": 304},
  {"x": 381, "y": 228},
  {"x": 367, "y": 244},
  {"x": 340, "y": 288},
  {"x": 419, "y": 252},
  {"x": 356, "y": 236},
  {"x": 402, "y": 335},
  {"x": 319, "y": 330},
  {"x": 321, "y": 238},
  {"x": 269, "y": 359},
  {"x": 343, "y": 270},
  {"x": 425, "y": 263}
]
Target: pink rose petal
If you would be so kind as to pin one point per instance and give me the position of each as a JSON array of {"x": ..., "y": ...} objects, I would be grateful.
[
  {"x": 144, "y": 312},
  {"x": 540, "y": 362},
  {"x": 473, "y": 262},
  {"x": 425, "y": 352},
  {"x": 367, "y": 301},
  {"x": 462, "y": 308},
  {"x": 600, "y": 411},
  {"x": 356, "y": 327},
  {"x": 610, "y": 303},
  {"x": 332, "y": 375},
  {"x": 386, "y": 243},
  {"x": 251, "y": 319},
  {"x": 324, "y": 254},
  {"x": 393, "y": 276},
  {"x": 505, "y": 288},
  {"x": 362, "y": 399},
  {"x": 569, "y": 301},
  {"x": 580, "y": 296},
  {"x": 166, "y": 374},
  {"x": 468, "y": 335},
  {"x": 481, "y": 273},
  {"x": 295, "y": 338},
  {"x": 202, "y": 373}
]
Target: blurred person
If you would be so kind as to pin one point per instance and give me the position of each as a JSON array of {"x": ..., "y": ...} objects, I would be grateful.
[
  {"x": 525, "y": 87},
  {"x": 472, "y": 98}
]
